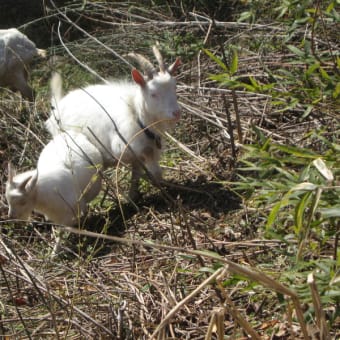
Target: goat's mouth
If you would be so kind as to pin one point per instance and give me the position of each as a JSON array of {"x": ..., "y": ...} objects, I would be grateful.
[{"x": 176, "y": 115}]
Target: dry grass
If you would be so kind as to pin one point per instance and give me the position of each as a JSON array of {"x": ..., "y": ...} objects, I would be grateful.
[{"x": 147, "y": 272}]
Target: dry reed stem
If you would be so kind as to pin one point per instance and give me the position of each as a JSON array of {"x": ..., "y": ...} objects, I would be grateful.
[
  {"x": 319, "y": 313},
  {"x": 174, "y": 310},
  {"x": 234, "y": 267}
]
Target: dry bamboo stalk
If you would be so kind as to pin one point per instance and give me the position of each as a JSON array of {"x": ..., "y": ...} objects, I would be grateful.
[
  {"x": 232, "y": 266},
  {"x": 185, "y": 300},
  {"x": 239, "y": 319},
  {"x": 319, "y": 313}
]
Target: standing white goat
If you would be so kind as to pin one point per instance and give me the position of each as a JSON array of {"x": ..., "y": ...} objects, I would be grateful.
[
  {"x": 120, "y": 113},
  {"x": 16, "y": 53},
  {"x": 65, "y": 180}
]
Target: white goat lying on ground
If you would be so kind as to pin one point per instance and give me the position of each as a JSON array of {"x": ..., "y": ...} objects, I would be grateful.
[
  {"x": 120, "y": 113},
  {"x": 16, "y": 53},
  {"x": 65, "y": 180}
]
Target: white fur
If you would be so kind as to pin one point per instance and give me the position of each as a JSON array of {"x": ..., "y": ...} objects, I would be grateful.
[
  {"x": 65, "y": 180},
  {"x": 16, "y": 53},
  {"x": 93, "y": 110}
]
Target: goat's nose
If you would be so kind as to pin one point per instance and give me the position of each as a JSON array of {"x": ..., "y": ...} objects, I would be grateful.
[{"x": 177, "y": 114}]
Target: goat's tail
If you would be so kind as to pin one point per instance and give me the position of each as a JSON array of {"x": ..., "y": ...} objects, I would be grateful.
[
  {"x": 42, "y": 53},
  {"x": 56, "y": 89},
  {"x": 56, "y": 85}
]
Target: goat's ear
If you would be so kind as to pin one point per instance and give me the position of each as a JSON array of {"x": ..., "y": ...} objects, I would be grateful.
[
  {"x": 173, "y": 67},
  {"x": 32, "y": 182},
  {"x": 11, "y": 172},
  {"x": 29, "y": 183},
  {"x": 138, "y": 78}
]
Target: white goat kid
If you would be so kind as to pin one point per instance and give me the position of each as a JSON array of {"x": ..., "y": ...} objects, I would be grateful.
[
  {"x": 16, "y": 53},
  {"x": 119, "y": 113},
  {"x": 65, "y": 180}
]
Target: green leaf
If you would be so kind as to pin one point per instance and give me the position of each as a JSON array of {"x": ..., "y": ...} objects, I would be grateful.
[
  {"x": 322, "y": 168},
  {"x": 207, "y": 270},
  {"x": 330, "y": 212},
  {"x": 295, "y": 151},
  {"x": 312, "y": 68},
  {"x": 234, "y": 62},
  {"x": 324, "y": 74},
  {"x": 300, "y": 210},
  {"x": 245, "y": 16},
  {"x": 336, "y": 92},
  {"x": 307, "y": 111},
  {"x": 330, "y": 7},
  {"x": 208, "y": 253},
  {"x": 272, "y": 216},
  {"x": 306, "y": 186},
  {"x": 217, "y": 60},
  {"x": 296, "y": 51},
  {"x": 254, "y": 82}
]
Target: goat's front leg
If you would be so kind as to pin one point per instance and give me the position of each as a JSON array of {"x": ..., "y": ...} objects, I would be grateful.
[
  {"x": 154, "y": 171},
  {"x": 58, "y": 236},
  {"x": 137, "y": 172}
]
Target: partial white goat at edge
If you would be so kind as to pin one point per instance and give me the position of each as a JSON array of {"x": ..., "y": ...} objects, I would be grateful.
[
  {"x": 65, "y": 180},
  {"x": 16, "y": 53},
  {"x": 120, "y": 113}
]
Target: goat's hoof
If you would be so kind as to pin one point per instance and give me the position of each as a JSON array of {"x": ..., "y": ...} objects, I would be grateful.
[{"x": 134, "y": 196}]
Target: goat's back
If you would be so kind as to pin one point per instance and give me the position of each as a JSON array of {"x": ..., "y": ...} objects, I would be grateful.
[
  {"x": 96, "y": 111},
  {"x": 68, "y": 170},
  {"x": 15, "y": 47}
]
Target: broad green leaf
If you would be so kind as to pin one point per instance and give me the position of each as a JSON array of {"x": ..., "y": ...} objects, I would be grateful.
[
  {"x": 217, "y": 60},
  {"x": 254, "y": 82},
  {"x": 324, "y": 74},
  {"x": 307, "y": 111},
  {"x": 207, "y": 270},
  {"x": 272, "y": 215},
  {"x": 306, "y": 186},
  {"x": 312, "y": 68},
  {"x": 296, "y": 51},
  {"x": 322, "y": 168},
  {"x": 330, "y": 7},
  {"x": 208, "y": 253},
  {"x": 336, "y": 92},
  {"x": 245, "y": 16},
  {"x": 295, "y": 151},
  {"x": 300, "y": 210},
  {"x": 247, "y": 87},
  {"x": 234, "y": 62},
  {"x": 330, "y": 212},
  {"x": 335, "y": 280}
]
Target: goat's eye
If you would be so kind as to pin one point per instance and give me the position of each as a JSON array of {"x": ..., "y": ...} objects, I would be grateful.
[{"x": 154, "y": 95}]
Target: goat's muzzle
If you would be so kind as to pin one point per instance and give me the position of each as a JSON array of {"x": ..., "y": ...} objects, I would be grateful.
[{"x": 177, "y": 115}]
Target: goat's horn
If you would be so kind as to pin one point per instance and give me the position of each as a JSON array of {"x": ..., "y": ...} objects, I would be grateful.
[
  {"x": 144, "y": 63},
  {"x": 159, "y": 58}
]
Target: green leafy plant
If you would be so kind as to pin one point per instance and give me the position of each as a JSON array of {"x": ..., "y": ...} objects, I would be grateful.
[{"x": 295, "y": 185}]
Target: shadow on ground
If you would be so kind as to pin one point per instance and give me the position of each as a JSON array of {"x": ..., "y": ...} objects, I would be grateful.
[{"x": 208, "y": 197}]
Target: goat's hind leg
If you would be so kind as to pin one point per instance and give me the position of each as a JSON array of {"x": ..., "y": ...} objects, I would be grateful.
[{"x": 58, "y": 236}]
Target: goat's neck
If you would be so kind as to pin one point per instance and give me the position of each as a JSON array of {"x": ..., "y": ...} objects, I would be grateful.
[
  {"x": 42, "y": 200},
  {"x": 142, "y": 116}
]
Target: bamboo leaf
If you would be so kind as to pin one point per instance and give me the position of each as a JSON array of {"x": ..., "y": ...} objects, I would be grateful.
[
  {"x": 217, "y": 60},
  {"x": 234, "y": 62},
  {"x": 330, "y": 212},
  {"x": 272, "y": 216},
  {"x": 322, "y": 168},
  {"x": 306, "y": 186},
  {"x": 300, "y": 212},
  {"x": 296, "y": 51},
  {"x": 295, "y": 151}
]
